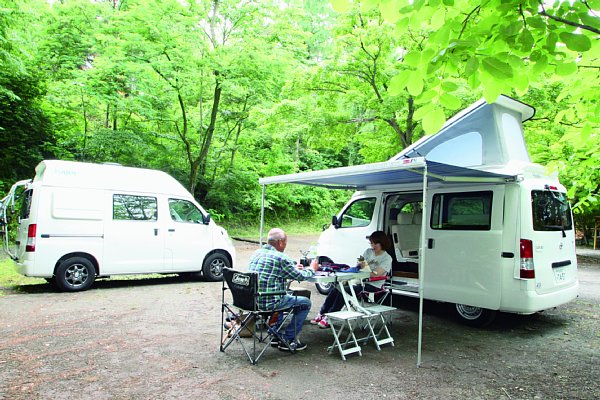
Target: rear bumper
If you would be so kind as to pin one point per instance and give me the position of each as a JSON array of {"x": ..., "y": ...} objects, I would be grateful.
[
  {"x": 530, "y": 302},
  {"x": 26, "y": 267}
]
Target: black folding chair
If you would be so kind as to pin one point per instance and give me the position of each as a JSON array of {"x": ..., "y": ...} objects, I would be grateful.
[{"x": 268, "y": 324}]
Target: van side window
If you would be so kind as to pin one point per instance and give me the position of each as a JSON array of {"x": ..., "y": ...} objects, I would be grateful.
[
  {"x": 184, "y": 211},
  {"x": 462, "y": 211},
  {"x": 358, "y": 213},
  {"x": 551, "y": 211},
  {"x": 134, "y": 208}
]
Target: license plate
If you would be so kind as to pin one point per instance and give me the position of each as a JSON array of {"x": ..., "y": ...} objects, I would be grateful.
[{"x": 560, "y": 275}]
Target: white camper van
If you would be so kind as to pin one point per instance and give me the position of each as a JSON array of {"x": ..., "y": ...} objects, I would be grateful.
[
  {"x": 472, "y": 221},
  {"x": 79, "y": 221}
]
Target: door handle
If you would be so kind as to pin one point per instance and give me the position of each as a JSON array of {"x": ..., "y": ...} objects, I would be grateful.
[
  {"x": 430, "y": 243},
  {"x": 171, "y": 230},
  {"x": 155, "y": 231}
]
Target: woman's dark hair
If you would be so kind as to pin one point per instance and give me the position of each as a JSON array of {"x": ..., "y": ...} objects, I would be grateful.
[{"x": 381, "y": 238}]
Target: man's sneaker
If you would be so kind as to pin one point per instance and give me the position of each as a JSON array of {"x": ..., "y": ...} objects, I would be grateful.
[
  {"x": 323, "y": 324},
  {"x": 294, "y": 346},
  {"x": 317, "y": 319}
]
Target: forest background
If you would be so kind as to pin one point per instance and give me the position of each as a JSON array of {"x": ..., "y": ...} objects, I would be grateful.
[{"x": 219, "y": 93}]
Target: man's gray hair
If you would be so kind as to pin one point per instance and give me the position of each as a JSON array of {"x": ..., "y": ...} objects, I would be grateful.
[{"x": 275, "y": 235}]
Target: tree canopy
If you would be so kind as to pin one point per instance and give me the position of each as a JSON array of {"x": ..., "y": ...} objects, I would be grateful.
[{"x": 219, "y": 93}]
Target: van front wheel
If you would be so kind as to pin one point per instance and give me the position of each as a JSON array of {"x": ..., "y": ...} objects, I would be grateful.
[
  {"x": 75, "y": 274},
  {"x": 213, "y": 266},
  {"x": 474, "y": 316}
]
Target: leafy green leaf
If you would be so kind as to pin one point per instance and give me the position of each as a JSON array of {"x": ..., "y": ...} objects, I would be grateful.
[
  {"x": 497, "y": 68},
  {"x": 536, "y": 22},
  {"x": 415, "y": 84},
  {"x": 398, "y": 83},
  {"x": 423, "y": 111},
  {"x": 449, "y": 86},
  {"x": 576, "y": 42},
  {"x": 413, "y": 58},
  {"x": 450, "y": 101},
  {"x": 564, "y": 69},
  {"x": 541, "y": 65},
  {"x": 492, "y": 88},
  {"x": 471, "y": 66},
  {"x": 433, "y": 121}
]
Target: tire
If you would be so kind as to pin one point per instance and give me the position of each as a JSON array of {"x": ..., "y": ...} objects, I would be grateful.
[
  {"x": 75, "y": 274},
  {"x": 474, "y": 316},
  {"x": 213, "y": 267},
  {"x": 324, "y": 288}
]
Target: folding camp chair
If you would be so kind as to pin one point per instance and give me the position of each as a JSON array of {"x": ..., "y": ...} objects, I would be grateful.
[
  {"x": 268, "y": 324},
  {"x": 342, "y": 324},
  {"x": 375, "y": 321}
]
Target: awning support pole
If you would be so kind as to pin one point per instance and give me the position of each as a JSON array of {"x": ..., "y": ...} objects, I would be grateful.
[
  {"x": 422, "y": 253},
  {"x": 262, "y": 214}
]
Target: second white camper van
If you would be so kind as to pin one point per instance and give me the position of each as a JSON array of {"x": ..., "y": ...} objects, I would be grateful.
[
  {"x": 472, "y": 221},
  {"x": 79, "y": 221}
]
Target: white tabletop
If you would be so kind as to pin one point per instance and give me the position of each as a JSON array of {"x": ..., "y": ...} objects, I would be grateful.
[{"x": 339, "y": 276}]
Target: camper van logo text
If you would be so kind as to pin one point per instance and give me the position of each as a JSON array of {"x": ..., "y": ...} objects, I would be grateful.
[{"x": 242, "y": 280}]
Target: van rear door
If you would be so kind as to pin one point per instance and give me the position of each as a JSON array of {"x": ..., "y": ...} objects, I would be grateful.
[
  {"x": 23, "y": 228},
  {"x": 549, "y": 226}
]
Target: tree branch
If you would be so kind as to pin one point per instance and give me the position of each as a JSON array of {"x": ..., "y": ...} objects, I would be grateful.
[{"x": 543, "y": 13}]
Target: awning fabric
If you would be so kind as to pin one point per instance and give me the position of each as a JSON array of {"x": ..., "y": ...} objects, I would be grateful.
[{"x": 404, "y": 171}]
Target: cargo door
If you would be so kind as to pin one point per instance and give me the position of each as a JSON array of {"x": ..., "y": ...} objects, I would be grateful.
[
  {"x": 463, "y": 244},
  {"x": 24, "y": 232},
  {"x": 188, "y": 239},
  {"x": 549, "y": 226},
  {"x": 133, "y": 239}
]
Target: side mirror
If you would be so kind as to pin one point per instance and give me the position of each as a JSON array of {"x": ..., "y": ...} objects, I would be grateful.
[
  {"x": 335, "y": 222},
  {"x": 325, "y": 226},
  {"x": 206, "y": 219}
]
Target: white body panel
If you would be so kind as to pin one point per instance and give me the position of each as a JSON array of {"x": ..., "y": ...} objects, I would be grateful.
[
  {"x": 73, "y": 206},
  {"x": 478, "y": 268}
]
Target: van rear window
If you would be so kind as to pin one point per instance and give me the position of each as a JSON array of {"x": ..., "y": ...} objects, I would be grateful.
[
  {"x": 551, "y": 211},
  {"x": 26, "y": 204}
]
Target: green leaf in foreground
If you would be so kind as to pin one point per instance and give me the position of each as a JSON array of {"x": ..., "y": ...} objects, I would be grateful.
[
  {"x": 576, "y": 42},
  {"x": 433, "y": 121}
]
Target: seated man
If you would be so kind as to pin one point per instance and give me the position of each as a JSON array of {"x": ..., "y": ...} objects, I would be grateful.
[{"x": 274, "y": 268}]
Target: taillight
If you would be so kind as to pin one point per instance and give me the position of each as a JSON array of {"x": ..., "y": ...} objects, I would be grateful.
[
  {"x": 30, "y": 246},
  {"x": 527, "y": 270}
]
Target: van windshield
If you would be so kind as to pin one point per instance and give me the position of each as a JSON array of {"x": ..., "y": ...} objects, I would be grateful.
[{"x": 551, "y": 211}]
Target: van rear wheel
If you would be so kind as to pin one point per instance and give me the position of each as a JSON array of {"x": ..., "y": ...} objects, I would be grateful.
[
  {"x": 474, "y": 316},
  {"x": 75, "y": 274},
  {"x": 213, "y": 266}
]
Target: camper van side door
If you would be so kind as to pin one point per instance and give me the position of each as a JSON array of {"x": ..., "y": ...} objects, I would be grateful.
[
  {"x": 464, "y": 263},
  {"x": 133, "y": 239}
]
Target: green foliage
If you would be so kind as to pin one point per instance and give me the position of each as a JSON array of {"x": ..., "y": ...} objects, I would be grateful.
[{"x": 221, "y": 93}]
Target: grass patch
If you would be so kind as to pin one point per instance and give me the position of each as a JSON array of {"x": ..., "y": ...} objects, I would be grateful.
[
  {"x": 251, "y": 229},
  {"x": 10, "y": 279}
]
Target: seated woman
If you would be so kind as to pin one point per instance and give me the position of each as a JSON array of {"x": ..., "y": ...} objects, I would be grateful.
[{"x": 380, "y": 263}]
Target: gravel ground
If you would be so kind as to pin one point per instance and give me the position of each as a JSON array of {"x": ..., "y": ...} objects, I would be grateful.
[{"x": 158, "y": 338}]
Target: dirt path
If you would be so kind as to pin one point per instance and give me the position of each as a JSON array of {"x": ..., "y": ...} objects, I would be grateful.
[{"x": 158, "y": 339}]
